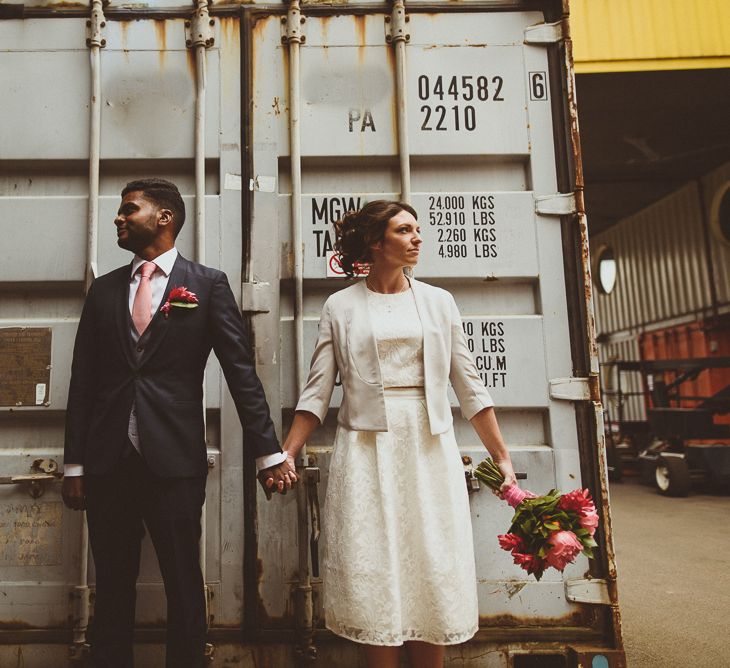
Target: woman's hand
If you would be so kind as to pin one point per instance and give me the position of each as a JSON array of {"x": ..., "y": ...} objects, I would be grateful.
[
  {"x": 505, "y": 466},
  {"x": 485, "y": 424}
]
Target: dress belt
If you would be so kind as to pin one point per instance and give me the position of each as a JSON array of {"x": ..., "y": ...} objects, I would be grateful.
[{"x": 404, "y": 392}]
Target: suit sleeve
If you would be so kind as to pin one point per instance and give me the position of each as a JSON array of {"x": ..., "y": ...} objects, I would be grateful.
[
  {"x": 82, "y": 388},
  {"x": 464, "y": 377},
  {"x": 315, "y": 397},
  {"x": 231, "y": 346}
]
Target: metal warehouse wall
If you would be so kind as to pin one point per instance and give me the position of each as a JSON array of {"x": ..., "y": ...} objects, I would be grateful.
[{"x": 663, "y": 273}]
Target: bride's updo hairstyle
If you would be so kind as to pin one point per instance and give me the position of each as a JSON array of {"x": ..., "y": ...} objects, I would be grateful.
[{"x": 356, "y": 231}]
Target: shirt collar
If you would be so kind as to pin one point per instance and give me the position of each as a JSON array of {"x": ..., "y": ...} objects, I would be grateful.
[{"x": 164, "y": 262}]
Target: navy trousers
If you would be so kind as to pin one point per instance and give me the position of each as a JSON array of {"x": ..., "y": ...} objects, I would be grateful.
[{"x": 119, "y": 505}]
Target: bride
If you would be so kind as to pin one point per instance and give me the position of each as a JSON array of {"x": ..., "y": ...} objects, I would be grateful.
[{"x": 399, "y": 565}]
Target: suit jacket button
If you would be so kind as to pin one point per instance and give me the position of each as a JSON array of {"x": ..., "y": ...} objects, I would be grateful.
[{"x": 140, "y": 349}]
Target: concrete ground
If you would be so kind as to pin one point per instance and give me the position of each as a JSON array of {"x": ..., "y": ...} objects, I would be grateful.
[{"x": 673, "y": 561}]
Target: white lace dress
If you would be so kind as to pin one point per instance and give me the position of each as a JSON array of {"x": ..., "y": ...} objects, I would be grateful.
[{"x": 399, "y": 563}]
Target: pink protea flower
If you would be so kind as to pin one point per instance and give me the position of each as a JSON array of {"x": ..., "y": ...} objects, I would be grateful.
[
  {"x": 510, "y": 541},
  {"x": 578, "y": 500},
  {"x": 589, "y": 520},
  {"x": 529, "y": 562},
  {"x": 565, "y": 548}
]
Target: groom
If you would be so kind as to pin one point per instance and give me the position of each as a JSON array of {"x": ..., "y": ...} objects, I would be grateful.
[{"x": 135, "y": 453}]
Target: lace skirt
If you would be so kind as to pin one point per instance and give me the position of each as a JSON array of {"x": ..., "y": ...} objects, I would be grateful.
[{"x": 399, "y": 563}]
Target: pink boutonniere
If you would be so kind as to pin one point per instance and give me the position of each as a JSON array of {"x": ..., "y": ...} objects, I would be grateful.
[{"x": 181, "y": 297}]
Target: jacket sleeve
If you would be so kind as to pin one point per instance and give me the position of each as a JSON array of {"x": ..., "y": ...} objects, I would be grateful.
[
  {"x": 315, "y": 397},
  {"x": 469, "y": 388},
  {"x": 232, "y": 349},
  {"x": 82, "y": 388}
]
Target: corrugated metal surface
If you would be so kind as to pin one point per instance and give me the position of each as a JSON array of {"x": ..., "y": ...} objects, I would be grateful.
[
  {"x": 714, "y": 185},
  {"x": 662, "y": 273},
  {"x": 634, "y": 35}
]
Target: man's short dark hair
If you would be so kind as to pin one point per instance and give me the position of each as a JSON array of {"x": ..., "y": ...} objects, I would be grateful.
[{"x": 163, "y": 193}]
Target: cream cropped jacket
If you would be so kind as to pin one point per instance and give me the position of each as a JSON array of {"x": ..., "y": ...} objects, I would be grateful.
[{"x": 346, "y": 344}]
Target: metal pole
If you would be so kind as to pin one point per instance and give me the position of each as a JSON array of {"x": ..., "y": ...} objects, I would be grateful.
[
  {"x": 305, "y": 611},
  {"x": 399, "y": 36},
  {"x": 200, "y": 42},
  {"x": 95, "y": 42},
  {"x": 199, "y": 37}
]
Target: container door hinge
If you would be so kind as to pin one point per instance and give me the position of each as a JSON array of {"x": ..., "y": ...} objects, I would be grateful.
[
  {"x": 396, "y": 25},
  {"x": 570, "y": 389},
  {"x": 256, "y": 297},
  {"x": 95, "y": 26},
  {"x": 292, "y": 25},
  {"x": 545, "y": 33},
  {"x": 199, "y": 29},
  {"x": 560, "y": 204},
  {"x": 589, "y": 590}
]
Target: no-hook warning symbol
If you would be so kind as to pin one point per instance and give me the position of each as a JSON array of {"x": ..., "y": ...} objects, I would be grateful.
[{"x": 334, "y": 267}]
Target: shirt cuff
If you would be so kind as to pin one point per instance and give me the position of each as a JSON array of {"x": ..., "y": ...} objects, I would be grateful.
[
  {"x": 268, "y": 461},
  {"x": 73, "y": 470}
]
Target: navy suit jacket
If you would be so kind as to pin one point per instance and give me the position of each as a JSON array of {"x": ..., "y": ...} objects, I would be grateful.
[{"x": 164, "y": 378}]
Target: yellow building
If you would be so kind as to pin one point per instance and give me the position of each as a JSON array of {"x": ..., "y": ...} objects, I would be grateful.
[
  {"x": 650, "y": 35},
  {"x": 653, "y": 83}
]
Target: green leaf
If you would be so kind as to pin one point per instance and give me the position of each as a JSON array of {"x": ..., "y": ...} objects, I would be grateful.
[{"x": 183, "y": 305}]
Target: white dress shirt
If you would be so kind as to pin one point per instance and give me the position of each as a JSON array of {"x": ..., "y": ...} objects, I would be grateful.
[{"x": 158, "y": 283}]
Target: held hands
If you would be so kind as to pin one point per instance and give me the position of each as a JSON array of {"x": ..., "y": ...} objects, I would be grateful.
[
  {"x": 280, "y": 478},
  {"x": 72, "y": 492}
]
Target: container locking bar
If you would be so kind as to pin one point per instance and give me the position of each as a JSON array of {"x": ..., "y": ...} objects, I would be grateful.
[{"x": 311, "y": 479}]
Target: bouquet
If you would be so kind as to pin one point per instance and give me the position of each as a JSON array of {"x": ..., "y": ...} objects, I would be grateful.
[{"x": 546, "y": 531}]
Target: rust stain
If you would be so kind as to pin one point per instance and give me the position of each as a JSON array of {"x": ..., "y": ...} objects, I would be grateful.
[
  {"x": 68, "y": 5},
  {"x": 14, "y": 625},
  {"x": 229, "y": 34},
  {"x": 160, "y": 26},
  {"x": 190, "y": 60},
  {"x": 580, "y": 618},
  {"x": 275, "y": 107},
  {"x": 324, "y": 23},
  {"x": 361, "y": 31},
  {"x": 123, "y": 34}
]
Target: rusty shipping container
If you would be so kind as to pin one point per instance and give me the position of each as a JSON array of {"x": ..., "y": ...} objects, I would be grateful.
[{"x": 274, "y": 119}]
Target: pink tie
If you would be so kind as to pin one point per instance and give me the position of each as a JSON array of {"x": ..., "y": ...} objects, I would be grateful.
[{"x": 142, "y": 306}]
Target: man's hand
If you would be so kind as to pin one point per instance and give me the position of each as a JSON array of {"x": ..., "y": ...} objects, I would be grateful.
[
  {"x": 280, "y": 478},
  {"x": 72, "y": 492}
]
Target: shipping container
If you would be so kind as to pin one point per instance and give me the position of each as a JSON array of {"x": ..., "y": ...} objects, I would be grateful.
[{"x": 274, "y": 119}]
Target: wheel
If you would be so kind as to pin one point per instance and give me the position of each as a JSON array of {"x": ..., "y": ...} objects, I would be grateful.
[{"x": 672, "y": 476}]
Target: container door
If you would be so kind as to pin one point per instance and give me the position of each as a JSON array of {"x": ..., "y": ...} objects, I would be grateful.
[
  {"x": 148, "y": 84},
  {"x": 484, "y": 184}
]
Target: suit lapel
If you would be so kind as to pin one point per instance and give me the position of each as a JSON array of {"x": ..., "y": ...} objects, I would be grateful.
[
  {"x": 121, "y": 315},
  {"x": 158, "y": 327}
]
